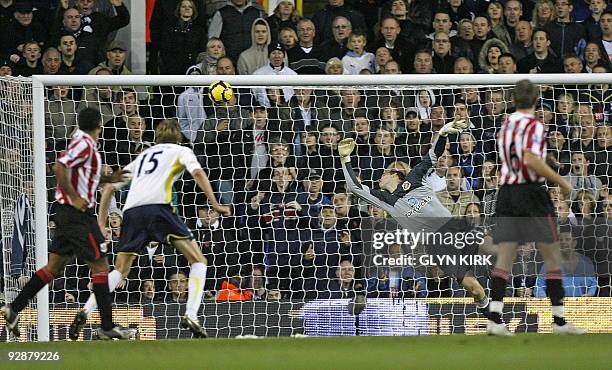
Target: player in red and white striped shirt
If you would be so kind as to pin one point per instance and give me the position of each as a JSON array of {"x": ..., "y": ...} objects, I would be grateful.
[
  {"x": 524, "y": 210},
  {"x": 77, "y": 232}
]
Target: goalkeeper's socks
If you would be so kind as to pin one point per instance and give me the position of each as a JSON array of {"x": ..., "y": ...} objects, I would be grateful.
[
  {"x": 197, "y": 276},
  {"x": 114, "y": 278},
  {"x": 41, "y": 278},
  {"x": 102, "y": 293},
  {"x": 555, "y": 292}
]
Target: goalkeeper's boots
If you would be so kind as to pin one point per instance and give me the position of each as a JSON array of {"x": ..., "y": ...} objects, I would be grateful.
[
  {"x": 499, "y": 330},
  {"x": 357, "y": 305},
  {"x": 197, "y": 330},
  {"x": 77, "y": 325},
  {"x": 567, "y": 329},
  {"x": 12, "y": 320},
  {"x": 116, "y": 333},
  {"x": 483, "y": 306}
]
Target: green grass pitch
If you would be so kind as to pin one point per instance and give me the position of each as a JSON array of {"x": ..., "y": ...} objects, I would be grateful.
[{"x": 526, "y": 351}]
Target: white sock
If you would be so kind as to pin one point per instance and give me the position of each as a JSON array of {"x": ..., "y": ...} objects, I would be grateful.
[
  {"x": 197, "y": 276},
  {"x": 496, "y": 306},
  {"x": 114, "y": 277},
  {"x": 558, "y": 311}
]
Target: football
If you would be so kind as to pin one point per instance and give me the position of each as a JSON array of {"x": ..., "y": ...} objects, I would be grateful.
[{"x": 220, "y": 92}]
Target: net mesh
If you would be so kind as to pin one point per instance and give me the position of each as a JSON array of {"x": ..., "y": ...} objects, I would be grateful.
[{"x": 293, "y": 251}]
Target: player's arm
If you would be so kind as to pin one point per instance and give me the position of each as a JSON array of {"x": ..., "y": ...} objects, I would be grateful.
[
  {"x": 537, "y": 165},
  {"x": 202, "y": 180},
  {"x": 345, "y": 148},
  {"x": 118, "y": 176},
  {"x": 105, "y": 200},
  {"x": 61, "y": 175}
]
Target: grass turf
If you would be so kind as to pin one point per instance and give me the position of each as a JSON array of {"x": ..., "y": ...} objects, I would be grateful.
[{"x": 526, "y": 351}]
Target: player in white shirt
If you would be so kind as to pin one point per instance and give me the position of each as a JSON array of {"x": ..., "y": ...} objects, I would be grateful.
[{"x": 148, "y": 216}]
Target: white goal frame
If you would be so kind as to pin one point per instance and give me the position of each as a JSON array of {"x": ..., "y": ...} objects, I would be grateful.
[{"x": 40, "y": 82}]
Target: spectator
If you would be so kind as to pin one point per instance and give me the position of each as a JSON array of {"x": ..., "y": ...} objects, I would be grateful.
[
  {"x": 324, "y": 18},
  {"x": 487, "y": 187},
  {"x": 232, "y": 24},
  {"x": 482, "y": 32},
  {"x": 423, "y": 62},
  {"x": 605, "y": 23},
  {"x": 100, "y": 98},
  {"x": 285, "y": 16},
  {"x": 162, "y": 19},
  {"x": 409, "y": 28},
  {"x": 579, "y": 176},
  {"x": 495, "y": 11},
  {"x": 232, "y": 290},
  {"x": 566, "y": 36},
  {"x": 470, "y": 161},
  {"x": 177, "y": 285},
  {"x": 522, "y": 46},
  {"x": 442, "y": 23},
  {"x": 287, "y": 37},
  {"x": 190, "y": 111},
  {"x": 276, "y": 53},
  {"x": 558, "y": 155},
  {"x": 70, "y": 64},
  {"x": 311, "y": 199},
  {"x": 591, "y": 24},
  {"x": 256, "y": 56},
  {"x": 100, "y": 24},
  {"x": 584, "y": 131},
  {"x": 116, "y": 56},
  {"x": 148, "y": 292},
  {"x": 461, "y": 44},
  {"x": 506, "y": 64},
  {"x": 336, "y": 47},
  {"x": 463, "y": 66},
  {"x": 443, "y": 61},
  {"x": 396, "y": 282},
  {"x": 344, "y": 285},
  {"x": 513, "y": 11},
  {"x": 437, "y": 178},
  {"x": 304, "y": 58},
  {"x": 6, "y": 67},
  {"x": 30, "y": 63},
  {"x": 182, "y": 40},
  {"x": 543, "y": 14},
  {"x": 453, "y": 198},
  {"x": 207, "y": 61},
  {"x": 357, "y": 59},
  {"x": 488, "y": 60},
  {"x": 541, "y": 60},
  {"x": 603, "y": 154},
  {"x": 572, "y": 63},
  {"x": 524, "y": 271},
  {"x": 401, "y": 49},
  {"x": 60, "y": 117},
  {"x": 593, "y": 56},
  {"x": 21, "y": 29},
  {"x": 578, "y": 272},
  {"x": 51, "y": 61},
  {"x": 70, "y": 24}
]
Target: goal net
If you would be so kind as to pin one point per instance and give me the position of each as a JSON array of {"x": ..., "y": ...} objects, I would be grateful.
[{"x": 299, "y": 246}]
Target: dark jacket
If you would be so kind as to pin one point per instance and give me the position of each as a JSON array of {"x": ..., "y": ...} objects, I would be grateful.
[
  {"x": 324, "y": 18},
  {"x": 566, "y": 37},
  {"x": 549, "y": 65},
  {"x": 182, "y": 42},
  {"x": 236, "y": 32},
  {"x": 17, "y": 34}
]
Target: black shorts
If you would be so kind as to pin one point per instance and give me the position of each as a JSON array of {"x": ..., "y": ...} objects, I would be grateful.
[
  {"x": 144, "y": 224},
  {"x": 460, "y": 255},
  {"x": 77, "y": 233},
  {"x": 524, "y": 213}
]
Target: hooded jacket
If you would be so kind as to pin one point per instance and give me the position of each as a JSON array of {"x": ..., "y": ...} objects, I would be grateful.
[
  {"x": 482, "y": 57},
  {"x": 256, "y": 56}
]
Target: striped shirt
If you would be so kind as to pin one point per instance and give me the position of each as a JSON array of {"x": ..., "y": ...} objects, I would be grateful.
[
  {"x": 520, "y": 132},
  {"x": 84, "y": 166}
]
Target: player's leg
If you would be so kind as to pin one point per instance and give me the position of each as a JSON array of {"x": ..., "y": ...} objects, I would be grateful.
[
  {"x": 54, "y": 267},
  {"x": 123, "y": 263},
  {"x": 551, "y": 254},
  {"x": 99, "y": 276},
  {"x": 476, "y": 290},
  {"x": 499, "y": 279},
  {"x": 197, "y": 277}
]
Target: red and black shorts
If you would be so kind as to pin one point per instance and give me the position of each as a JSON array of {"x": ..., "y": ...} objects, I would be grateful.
[
  {"x": 77, "y": 233},
  {"x": 524, "y": 213}
]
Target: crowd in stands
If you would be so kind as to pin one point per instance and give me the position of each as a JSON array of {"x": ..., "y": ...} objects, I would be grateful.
[{"x": 271, "y": 154}]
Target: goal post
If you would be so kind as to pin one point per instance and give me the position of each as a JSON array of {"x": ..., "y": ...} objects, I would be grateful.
[{"x": 379, "y": 84}]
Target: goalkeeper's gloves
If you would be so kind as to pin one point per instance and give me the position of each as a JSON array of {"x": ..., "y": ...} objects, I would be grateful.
[
  {"x": 453, "y": 127},
  {"x": 345, "y": 148}
]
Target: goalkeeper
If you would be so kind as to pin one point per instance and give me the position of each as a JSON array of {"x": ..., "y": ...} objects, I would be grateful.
[{"x": 414, "y": 205}]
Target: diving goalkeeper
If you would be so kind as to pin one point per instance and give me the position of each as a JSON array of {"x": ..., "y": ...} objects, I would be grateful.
[{"x": 414, "y": 205}]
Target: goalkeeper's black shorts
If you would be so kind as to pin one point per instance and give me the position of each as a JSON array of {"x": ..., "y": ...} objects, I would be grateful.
[
  {"x": 524, "y": 213},
  {"x": 461, "y": 254}
]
